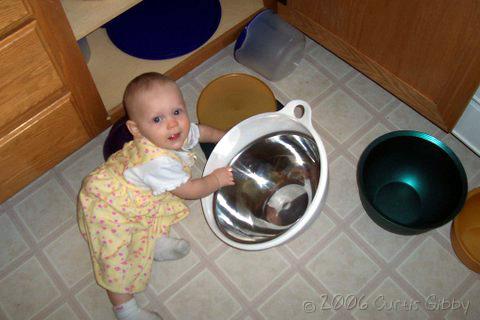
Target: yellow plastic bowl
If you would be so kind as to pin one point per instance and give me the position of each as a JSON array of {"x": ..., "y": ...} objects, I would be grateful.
[
  {"x": 465, "y": 232},
  {"x": 233, "y": 97}
]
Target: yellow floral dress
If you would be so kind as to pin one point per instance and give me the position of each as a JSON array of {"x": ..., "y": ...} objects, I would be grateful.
[{"x": 121, "y": 220}]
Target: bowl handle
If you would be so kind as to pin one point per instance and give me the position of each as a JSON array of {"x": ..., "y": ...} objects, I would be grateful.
[{"x": 303, "y": 113}]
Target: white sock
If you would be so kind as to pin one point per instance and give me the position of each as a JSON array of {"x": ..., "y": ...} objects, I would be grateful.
[
  {"x": 167, "y": 248},
  {"x": 130, "y": 311}
]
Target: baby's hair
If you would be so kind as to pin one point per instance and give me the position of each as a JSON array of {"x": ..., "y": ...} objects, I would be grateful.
[{"x": 140, "y": 83}]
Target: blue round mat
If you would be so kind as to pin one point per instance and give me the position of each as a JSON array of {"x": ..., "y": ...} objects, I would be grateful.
[{"x": 159, "y": 29}]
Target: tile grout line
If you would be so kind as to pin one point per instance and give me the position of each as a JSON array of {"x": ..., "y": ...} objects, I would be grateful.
[
  {"x": 3, "y": 314},
  {"x": 386, "y": 268},
  {"x": 300, "y": 267},
  {"x": 26, "y": 192},
  {"x": 66, "y": 186},
  {"x": 35, "y": 250},
  {"x": 312, "y": 253},
  {"x": 228, "y": 284},
  {"x": 378, "y": 118},
  {"x": 159, "y": 299},
  {"x": 210, "y": 266},
  {"x": 206, "y": 262},
  {"x": 309, "y": 277},
  {"x": 400, "y": 280}
]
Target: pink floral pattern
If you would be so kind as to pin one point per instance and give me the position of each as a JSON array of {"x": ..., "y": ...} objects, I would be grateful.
[{"x": 121, "y": 221}]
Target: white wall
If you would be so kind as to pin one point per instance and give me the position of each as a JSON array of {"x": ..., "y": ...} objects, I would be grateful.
[{"x": 468, "y": 127}]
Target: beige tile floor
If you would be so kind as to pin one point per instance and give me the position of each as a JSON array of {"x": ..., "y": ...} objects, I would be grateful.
[{"x": 342, "y": 267}]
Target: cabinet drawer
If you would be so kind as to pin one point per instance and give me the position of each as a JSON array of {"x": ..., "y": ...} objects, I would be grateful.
[
  {"x": 28, "y": 76},
  {"x": 38, "y": 145},
  {"x": 11, "y": 11}
]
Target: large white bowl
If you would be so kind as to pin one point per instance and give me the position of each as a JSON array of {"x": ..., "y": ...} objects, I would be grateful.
[{"x": 295, "y": 116}]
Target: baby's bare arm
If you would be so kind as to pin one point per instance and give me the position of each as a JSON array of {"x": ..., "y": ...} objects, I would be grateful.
[
  {"x": 209, "y": 134},
  {"x": 201, "y": 187}
]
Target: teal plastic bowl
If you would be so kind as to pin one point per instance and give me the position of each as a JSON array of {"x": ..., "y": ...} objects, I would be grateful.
[{"x": 410, "y": 182}]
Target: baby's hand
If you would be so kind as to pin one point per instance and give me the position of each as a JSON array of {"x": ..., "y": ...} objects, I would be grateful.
[{"x": 224, "y": 176}]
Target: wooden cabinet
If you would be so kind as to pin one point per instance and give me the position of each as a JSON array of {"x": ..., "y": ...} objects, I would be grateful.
[
  {"x": 427, "y": 53},
  {"x": 51, "y": 101},
  {"x": 11, "y": 13},
  {"x": 112, "y": 69},
  {"x": 48, "y": 101},
  {"x": 23, "y": 89}
]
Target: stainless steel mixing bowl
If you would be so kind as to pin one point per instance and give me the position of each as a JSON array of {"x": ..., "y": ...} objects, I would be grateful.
[
  {"x": 276, "y": 177},
  {"x": 281, "y": 172}
]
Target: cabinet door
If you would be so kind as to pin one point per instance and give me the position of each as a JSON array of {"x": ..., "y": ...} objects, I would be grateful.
[
  {"x": 49, "y": 104},
  {"x": 427, "y": 53},
  {"x": 43, "y": 140},
  {"x": 23, "y": 89},
  {"x": 60, "y": 43},
  {"x": 12, "y": 12}
]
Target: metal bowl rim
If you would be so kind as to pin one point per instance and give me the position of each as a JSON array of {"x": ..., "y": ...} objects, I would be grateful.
[{"x": 317, "y": 201}]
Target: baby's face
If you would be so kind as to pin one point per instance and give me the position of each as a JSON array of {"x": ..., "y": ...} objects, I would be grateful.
[{"x": 161, "y": 116}]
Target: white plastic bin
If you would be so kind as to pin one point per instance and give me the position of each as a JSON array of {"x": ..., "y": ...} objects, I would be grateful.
[{"x": 270, "y": 46}]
